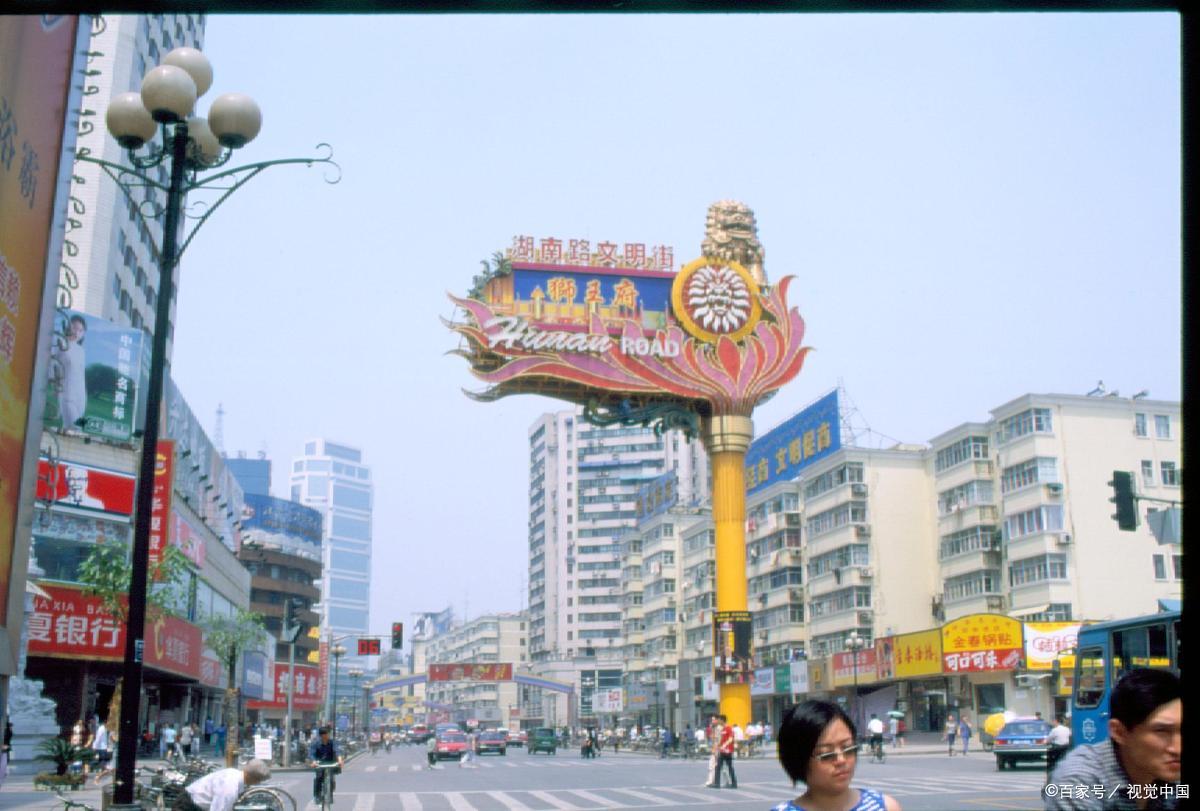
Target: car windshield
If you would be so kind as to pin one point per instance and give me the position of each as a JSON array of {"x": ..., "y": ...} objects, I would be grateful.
[
  {"x": 453, "y": 737},
  {"x": 1025, "y": 728},
  {"x": 492, "y": 736}
]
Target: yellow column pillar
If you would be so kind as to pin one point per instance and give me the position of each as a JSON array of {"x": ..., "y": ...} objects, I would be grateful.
[{"x": 727, "y": 438}]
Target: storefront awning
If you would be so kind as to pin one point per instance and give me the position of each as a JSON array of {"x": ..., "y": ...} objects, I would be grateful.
[{"x": 1025, "y": 612}]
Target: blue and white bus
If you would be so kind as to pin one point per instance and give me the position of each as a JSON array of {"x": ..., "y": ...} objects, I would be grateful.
[{"x": 1105, "y": 652}]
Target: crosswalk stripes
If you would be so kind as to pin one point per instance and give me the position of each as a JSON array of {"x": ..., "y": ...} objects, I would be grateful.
[
  {"x": 364, "y": 802},
  {"x": 409, "y": 801},
  {"x": 596, "y": 799},
  {"x": 458, "y": 802},
  {"x": 691, "y": 795},
  {"x": 547, "y": 797},
  {"x": 511, "y": 803},
  {"x": 642, "y": 796}
]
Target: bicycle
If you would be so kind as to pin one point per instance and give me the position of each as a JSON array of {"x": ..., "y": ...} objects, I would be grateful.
[
  {"x": 73, "y": 805},
  {"x": 327, "y": 784},
  {"x": 878, "y": 755},
  {"x": 265, "y": 798}
]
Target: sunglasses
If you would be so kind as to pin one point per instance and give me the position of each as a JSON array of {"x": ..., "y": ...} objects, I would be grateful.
[{"x": 828, "y": 757}]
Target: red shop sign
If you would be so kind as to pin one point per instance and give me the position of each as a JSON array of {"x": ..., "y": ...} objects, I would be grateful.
[
  {"x": 71, "y": 625},
  {"x": 88, "y": 487},
  {"x": 308, "y": 696}
]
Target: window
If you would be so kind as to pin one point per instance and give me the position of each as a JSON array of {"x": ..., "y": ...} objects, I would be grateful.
[
  {"x": 352, "y": 497},
  {"x": 1139, "y": 425},
  {"x": 1048, "y": 518},
  {"x": 965, "y": 495},
  {"x": 348, "y": 618},
  {"x": 1160, "y": 567},
  {"x": 1034, "y": 420},
  {"x": 1090, "y": 689},
  {"x": 1148, "y": 472},
  {"x": 349, "y": 561},
  {"x": 1037, "y": 569},
  {"x": 318, "y": 486},
  {"x": 1170, "y": 476},
  {"x": 972, "y": 447},
  {"x": 1031, "y": 471},
  {"x": 1177, "y": 565},
  {"x": 1162, "y": 426}
]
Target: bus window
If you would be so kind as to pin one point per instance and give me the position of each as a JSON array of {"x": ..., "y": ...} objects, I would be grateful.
[
  {"x": 1089, "y": 689},
  {"x": 1160, "y": 653}
]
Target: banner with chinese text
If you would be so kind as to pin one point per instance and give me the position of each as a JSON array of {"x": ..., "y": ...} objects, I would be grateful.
[
  {"x": 981, "y": 642},
  {"x": 37, "y": 53},
  {"x": 732, "y": 652},
  {"x": 471, "y": 671},
  {"x": 308, "y": 694},
  {"x": 917, "y": 654},
  {"x": 72, "y": 625},
  {"x": 160, "y": 502},
  {"x": 845, "y": 671}
]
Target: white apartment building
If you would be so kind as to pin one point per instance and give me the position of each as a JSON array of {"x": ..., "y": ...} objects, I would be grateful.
[
  {"x": 1007, "y": 516},
  {"x": 113, "y": 270},
  {"x": 499, "y": 638},
  {"x": 584, "y": 481},
  {"x": 331, "y": 478}
]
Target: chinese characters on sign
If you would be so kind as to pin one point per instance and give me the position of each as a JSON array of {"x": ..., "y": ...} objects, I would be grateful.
[
  {"x": 917, "y": 654},
  {"x": 469, "y": 671},
  {"x": 980, "y": 642},
  {"x": 308, "y": 693},
  {"x": 781, "y": 453},
  {"x": 846, "y": 671},
  {"x": 552, "y": 251},
  {"x": 160, "y": 502},
  {"x": 657, "y": 495}
]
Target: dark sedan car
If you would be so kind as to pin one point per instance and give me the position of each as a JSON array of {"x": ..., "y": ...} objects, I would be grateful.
[
  {"x": 491, "y": 742},
  {"x": 1022, "y": 739}
]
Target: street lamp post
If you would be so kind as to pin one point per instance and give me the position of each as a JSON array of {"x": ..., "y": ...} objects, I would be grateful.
[
  {"x": 855, "y": 643},
  {"x": 190, "y": 144},
  {"x": 355, "y": 674},
  {"x": 337, "y": 652}
]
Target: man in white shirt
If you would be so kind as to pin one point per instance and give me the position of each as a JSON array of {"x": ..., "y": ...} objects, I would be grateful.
[
  {"x": 875, "y": 729},
  {"x": 217, "y": 791},
  {"x": 1059, "y": 740}
]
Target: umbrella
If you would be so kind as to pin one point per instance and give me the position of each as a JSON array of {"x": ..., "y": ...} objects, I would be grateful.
[{"x": 895, "y": 714}]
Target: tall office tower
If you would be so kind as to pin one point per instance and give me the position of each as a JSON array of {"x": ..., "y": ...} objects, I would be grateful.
[
  {"x": 254, "y": 475},
  {"x": 583, "y": 486},
  {"x": 331, "y": 478},
  {"x": 110, "y": 267}
]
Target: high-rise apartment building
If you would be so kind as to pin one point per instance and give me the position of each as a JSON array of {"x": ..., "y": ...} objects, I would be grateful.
[
  {"x": 111, "y": 250},
  {"x": 583, "y": 487},
  {"x": 331, "y": 478},
  {"x": 491, "y": 638}
]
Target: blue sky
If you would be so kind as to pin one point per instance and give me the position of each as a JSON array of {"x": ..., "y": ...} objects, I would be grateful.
[{"x": 975, "y": 207}]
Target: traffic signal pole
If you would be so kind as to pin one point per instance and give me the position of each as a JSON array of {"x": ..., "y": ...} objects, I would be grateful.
[{"x": 287, "y": 734}]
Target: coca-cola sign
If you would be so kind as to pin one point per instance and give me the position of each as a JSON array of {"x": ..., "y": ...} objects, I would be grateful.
[{"x": 1044, "y": 641}]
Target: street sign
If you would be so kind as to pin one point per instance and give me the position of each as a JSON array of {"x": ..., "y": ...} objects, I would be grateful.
[{"x": 1166, "y": 524}]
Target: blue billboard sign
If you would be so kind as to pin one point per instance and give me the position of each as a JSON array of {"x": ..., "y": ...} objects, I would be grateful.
[
  {"x": 254, "y": 673},
  {"x": 279, "y": 516},
  {"x": 657, "y": 495},
  {"x": 784, "y": 451}
]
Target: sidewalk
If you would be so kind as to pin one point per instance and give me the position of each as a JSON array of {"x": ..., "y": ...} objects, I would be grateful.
[{"x": 915, "y": 743}]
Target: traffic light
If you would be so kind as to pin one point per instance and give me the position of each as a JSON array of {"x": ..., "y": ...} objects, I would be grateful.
[
  {"x": 397, "y": 635},
  {"x": 291, "y": 619},
  {"x": 1123, "y": 496}
]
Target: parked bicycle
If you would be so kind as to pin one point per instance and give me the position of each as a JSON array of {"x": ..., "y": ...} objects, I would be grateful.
[{"x": 73, "y": 805}]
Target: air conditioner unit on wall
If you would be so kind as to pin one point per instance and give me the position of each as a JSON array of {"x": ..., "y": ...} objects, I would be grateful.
[
  {"x": 1064, "y": 539},
  {"x": 1054, "y": 488},
  {"x": 858, "y": 489},
  {"x": 866, "y": 617},
  {"x": 863, "y": 530},
  {"x": 866, "y": 572}
]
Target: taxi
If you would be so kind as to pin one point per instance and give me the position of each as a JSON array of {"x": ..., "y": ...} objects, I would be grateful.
[
  {"x": 446, "y": 746},
  {"x": 1021, "y": 739}
]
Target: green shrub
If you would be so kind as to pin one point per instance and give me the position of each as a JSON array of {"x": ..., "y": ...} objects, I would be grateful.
[{"x": 62, "y": 754}]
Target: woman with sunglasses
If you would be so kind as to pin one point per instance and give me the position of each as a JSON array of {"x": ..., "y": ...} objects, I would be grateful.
[{"x": 818, "y": 745}]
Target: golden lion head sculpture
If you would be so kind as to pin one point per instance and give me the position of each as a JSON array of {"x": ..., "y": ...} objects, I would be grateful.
[{"x": 730, "y": 233}]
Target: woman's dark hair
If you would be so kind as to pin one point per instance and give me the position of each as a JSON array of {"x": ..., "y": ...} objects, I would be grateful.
[
  {"x": 802, "y": 727},
  {"x": 1140, "y": 692}
]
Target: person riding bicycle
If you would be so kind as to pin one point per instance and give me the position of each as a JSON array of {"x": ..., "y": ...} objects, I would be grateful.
[
  {"x": 219, "y": 790},
  {"x": 875, "y": 729},
  {"x": 324, "y": 751}
]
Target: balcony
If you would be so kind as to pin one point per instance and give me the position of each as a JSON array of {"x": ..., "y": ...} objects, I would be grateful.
[{"x": 966, "y": 516}]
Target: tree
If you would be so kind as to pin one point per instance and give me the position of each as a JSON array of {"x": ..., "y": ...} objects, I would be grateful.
[
  {"x": 227, "y": 635},
  {"x": 106, "y": 571}
]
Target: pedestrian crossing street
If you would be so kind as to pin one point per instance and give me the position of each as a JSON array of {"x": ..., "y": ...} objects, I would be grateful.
[{"x": 598, "y": 799}]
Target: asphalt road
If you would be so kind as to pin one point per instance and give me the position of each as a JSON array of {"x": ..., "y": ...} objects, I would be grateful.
[
  {"x": 521, "y": 782},
  {"x": 402, "y": 781}
]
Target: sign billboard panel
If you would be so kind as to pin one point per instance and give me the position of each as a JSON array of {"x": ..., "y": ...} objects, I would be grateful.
[
  {"x": 1045, "y": 640},
  {"x": 981, "y": 642},
  {"x": 732, "y": 651},
  {"x": 85, "y": 487},
  {"x": 100, "y": 371},
  {"x": 846, "y": 671},
  {"x": 471, "y": 671},
  {"x": 658, "y": 495},
  {"x": 277, "y": 516},
  {"x": 160, "y": 502},
  {"x": 763, "y": 683},
  {"x": 37, "y": 53},
  {"x": 71, "y": 625},
  {"x": 784, "y": 451},
  {"x": 917, "y": 654},
  {"x": 309, "y": 693}
]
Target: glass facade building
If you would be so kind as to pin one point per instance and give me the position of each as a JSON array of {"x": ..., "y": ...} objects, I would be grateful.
[{"x": 331, "y": 478}]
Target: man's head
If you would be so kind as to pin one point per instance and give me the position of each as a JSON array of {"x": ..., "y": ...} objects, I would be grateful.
[
  {"x": 874, "y": 716},
  {"x": 255, "y": 772},
  {"x": 1146, "y": 710},
  {"x": 324, "y": 733}
]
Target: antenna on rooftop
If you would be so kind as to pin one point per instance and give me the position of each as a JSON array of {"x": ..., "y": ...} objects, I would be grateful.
[{"x": 219, "y": 433}]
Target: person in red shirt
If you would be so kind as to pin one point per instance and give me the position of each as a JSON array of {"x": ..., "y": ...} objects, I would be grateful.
[{"x": 724, "y": 746}]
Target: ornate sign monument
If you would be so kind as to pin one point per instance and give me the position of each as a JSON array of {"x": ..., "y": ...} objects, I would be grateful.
[{"x": 633, "y": 342}]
